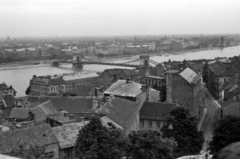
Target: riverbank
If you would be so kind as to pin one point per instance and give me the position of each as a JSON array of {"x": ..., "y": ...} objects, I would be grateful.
[{"x": 22, "y": 66}]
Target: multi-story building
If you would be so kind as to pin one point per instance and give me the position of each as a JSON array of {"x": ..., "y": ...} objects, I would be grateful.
[
  {"x": 46, "y": 85},
  {"x": 152, "y": 115},
  {"x": 7, "y": 90},
  {"x": 75, "y": 80},
  {"x": 217, "y": 74},
  {"x": 185, "y": 88}
]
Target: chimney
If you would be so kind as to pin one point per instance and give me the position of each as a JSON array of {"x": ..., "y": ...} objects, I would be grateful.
[
  {"x": 65, "y": 114},
  {"x": 96, "y": 92},
  {"x": 70, "y": 116},
  {"x": 94, "y": 103},
  {"x": 128, "y": 80},
  {"x": 146, "y": 88},
  {"x": 82, "y": 119}
]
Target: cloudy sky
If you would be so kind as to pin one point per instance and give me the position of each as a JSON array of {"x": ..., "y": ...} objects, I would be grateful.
[{"x": 117, "y": 17}]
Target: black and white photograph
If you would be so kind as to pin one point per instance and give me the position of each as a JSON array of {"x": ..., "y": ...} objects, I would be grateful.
[{"x": 119, "y": 79}]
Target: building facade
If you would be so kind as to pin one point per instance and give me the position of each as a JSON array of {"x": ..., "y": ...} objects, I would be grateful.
[
  {"x": 74, "y": 81},
  {"x": 46, "y": 85}
]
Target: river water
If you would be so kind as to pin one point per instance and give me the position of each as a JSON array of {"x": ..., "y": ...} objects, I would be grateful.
[{"x": 20, "y": 77}]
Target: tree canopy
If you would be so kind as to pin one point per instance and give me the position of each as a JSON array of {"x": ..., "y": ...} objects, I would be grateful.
[
  {"x": 183, "y": 128},
  {"x": 96, "y": 141},
  {"x": 149, "y": 145},
  {"x": 226, "y": 132}
]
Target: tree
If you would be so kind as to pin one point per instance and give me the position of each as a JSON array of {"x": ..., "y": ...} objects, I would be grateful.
[
  {"x": 183, "y": 128},
  {"x": 226, "y": 132},
  {"x": 149, "y": 145},
  {"x": 30, "y": 151},
  {"x": 28, "y": 90},
  {"x": 96, "y": 141}
]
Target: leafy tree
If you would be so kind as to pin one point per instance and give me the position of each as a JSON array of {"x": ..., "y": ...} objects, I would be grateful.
[
  {"x": 96, "y": 141},
  {"x": 28, "y": 90},
  {"x": 149, "y": 145},
  {"x": 30, "y": 151},
  {"x": 227, "y": 131},
  {"x": 183, "y": 128}
]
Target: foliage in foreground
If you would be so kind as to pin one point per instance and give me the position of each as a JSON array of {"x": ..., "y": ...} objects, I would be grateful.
[
  {"x": 181, "y": 126},
  {"x": 96, "y": 141},
  {"x": 149, "y": 145},
  {"x": 226, "y": 132}
]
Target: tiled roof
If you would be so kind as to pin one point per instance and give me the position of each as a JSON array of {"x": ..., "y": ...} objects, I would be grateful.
[
  {"x": 73, "y": 104},
  {"x": 124, "y": 88},
  {"x": 119, "y": 110},
  {"x": 156, "y": 111},
  {"x": 217, "y": 68},
  {"x": 67, "y": 134},
  {"x": 45, "y": 108},
  {"x": 230, "y": 83},
  {"x": 20, "y": 113},
  {"x": 39, "y": 135}
]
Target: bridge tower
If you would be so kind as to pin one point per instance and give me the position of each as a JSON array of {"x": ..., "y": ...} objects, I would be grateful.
[
  {"x": 144, "y": 66},
  {"x": 77, "y": 62},
  {"x": 144, "y": 61},
  {"x": 76, "y": 58}
]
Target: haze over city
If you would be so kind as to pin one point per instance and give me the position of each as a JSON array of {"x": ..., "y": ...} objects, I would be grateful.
[{"x": 27, "y": 18}]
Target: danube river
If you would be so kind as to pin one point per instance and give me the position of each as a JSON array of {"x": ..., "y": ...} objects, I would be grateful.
[{"x": 19, "y": 77}]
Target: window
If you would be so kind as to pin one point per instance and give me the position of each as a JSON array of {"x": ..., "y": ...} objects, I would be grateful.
[
  {"x": 141, "y": 123},
  {"x": 149, "y": 124},
  {"x": 158, "y": 124}
]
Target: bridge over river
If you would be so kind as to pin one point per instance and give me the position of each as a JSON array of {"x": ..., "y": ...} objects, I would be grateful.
[{"x": 78, "y": 63}]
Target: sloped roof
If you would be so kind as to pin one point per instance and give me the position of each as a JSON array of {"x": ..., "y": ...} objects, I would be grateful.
[
  {"x": 217, "y": 68},
  {"x": 119, "y": 110},
  {"x": 9, "y": 100},
  {"x": 114, "y": 71},
  {"x": 45, "y": 108},
  {"x": 230, "y": 83},
  {"x": 39, "y": 135},
  {"x": 156, "y": 111},
  {"x": 81, "y": 91},
  {"x": 20, "y": 113},
  {"x": 232, "y": 109},
  {"x": 7, "y": 111},
  {"x": 73, "y": 104},
  {"x": 67, "y": 134},
  {"x": 189, "y": 75},
  {"x": 128, "y": 72},
  {"x": 124, "y": 88}
]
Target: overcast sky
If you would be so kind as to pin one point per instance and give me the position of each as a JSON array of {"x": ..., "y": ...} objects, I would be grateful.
[{"x": 117, "y": 17}]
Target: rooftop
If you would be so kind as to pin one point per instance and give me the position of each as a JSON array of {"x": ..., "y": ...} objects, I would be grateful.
[
  {"x": 124, "y": 88},
  {"x": 156, "y": 111},
  {"x": 67, "y": 134},
  {"x": 61, "y": 119},
  {"x": 77, "y": 76},
  {"x": 119, "y": 110},
  {"x": 40, "y": 135}
]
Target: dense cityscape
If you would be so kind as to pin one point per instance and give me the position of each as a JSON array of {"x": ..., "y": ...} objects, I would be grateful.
[{"x": 168, "y": 96}]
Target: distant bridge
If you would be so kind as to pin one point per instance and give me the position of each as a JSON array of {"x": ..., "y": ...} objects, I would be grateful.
[{"x": 77, "y": 63}]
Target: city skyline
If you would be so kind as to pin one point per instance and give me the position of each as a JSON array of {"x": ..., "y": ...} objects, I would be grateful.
[{"x": 33, "y": 18}]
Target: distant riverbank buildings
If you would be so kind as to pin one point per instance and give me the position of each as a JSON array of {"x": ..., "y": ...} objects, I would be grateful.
[{"x": 58, "y": 84}]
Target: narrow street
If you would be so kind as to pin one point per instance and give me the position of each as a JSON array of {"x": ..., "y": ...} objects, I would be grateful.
[{"x": 211, "y": 116}]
